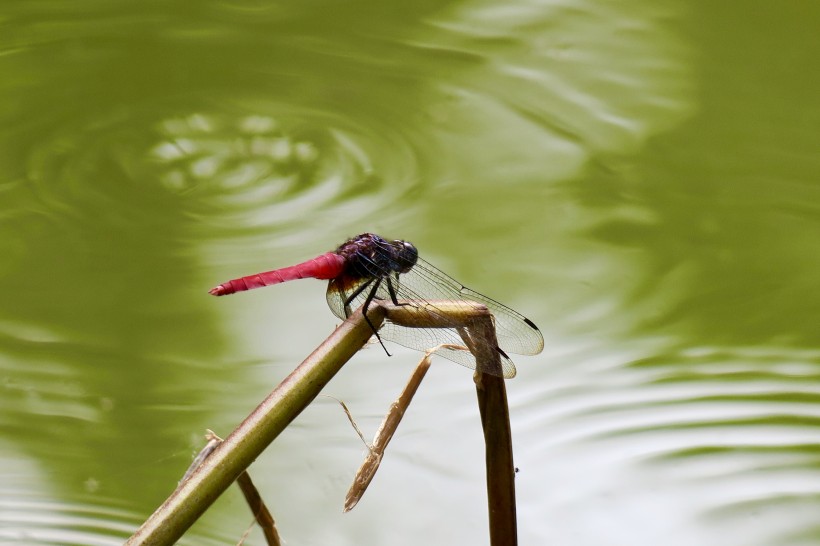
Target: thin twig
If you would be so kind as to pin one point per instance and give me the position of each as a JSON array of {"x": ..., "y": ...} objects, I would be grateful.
[
  {"x": 261, "y": 514},
  {"x": 350, "y": 418},
  {"x": 367, "y": 471},
  {"x": 247, "y": 533},
  {"x": 213, "y": 441},
  {"x": 260, "y": 511}
]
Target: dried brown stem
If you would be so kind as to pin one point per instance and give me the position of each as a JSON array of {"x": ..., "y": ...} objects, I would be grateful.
[
  {"x": 367, "y": 471},
  {"x": 475, "y": 325}
]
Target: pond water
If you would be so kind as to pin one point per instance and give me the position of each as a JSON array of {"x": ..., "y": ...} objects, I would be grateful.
[{"x": 639, "y": 179}]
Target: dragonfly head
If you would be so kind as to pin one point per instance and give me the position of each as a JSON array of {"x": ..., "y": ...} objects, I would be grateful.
[{"x": 408, "y": 254}]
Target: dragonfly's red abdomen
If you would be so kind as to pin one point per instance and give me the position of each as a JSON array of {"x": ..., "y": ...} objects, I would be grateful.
[{"x": 327, "y": 266}]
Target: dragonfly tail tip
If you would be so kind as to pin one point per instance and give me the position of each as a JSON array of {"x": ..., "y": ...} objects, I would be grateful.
[{"x": 218, "y": 291}]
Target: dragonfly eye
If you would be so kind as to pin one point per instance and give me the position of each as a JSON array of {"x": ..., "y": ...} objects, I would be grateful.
[{"x": 408, "y": 255}]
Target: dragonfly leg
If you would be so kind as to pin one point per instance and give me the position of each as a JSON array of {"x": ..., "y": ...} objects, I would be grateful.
[
  {"x": 365, "y": 307},
  {"x": 392, "y": 292},
  {"x": 353, "y": 296}
]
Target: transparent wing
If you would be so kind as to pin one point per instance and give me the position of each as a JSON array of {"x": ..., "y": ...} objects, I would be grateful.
[
  {"x": 341, "y": 288},
  {"x": 516, "y": 333}
]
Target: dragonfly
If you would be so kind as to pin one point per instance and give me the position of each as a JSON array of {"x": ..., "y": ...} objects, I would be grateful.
[{"x": 369, "y": 268}]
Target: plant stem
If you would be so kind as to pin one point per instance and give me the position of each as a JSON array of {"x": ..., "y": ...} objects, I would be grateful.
[{"x": 219, "y": 470}]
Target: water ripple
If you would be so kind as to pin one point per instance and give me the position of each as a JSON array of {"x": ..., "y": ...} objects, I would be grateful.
[
  {"x": 239, "y": 173},
  {"x": 729, "y": 432},
  {"x": 603, "y": 76},
  {"x": 25, "y": 519}
]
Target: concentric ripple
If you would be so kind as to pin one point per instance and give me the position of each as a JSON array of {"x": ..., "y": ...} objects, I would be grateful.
[
  {"x": 244, "y": 171},
  {"x": 256, "y": 172}
]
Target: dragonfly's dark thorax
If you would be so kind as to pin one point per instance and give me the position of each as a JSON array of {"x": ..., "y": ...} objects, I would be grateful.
[{"x": 368, "y": 255}]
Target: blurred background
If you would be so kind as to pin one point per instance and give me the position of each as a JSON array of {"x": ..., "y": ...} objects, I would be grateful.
[{"x": 638, "y": 178}]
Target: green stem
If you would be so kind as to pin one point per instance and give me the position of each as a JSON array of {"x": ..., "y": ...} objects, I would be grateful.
[{"x": 219, "y": 470}]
